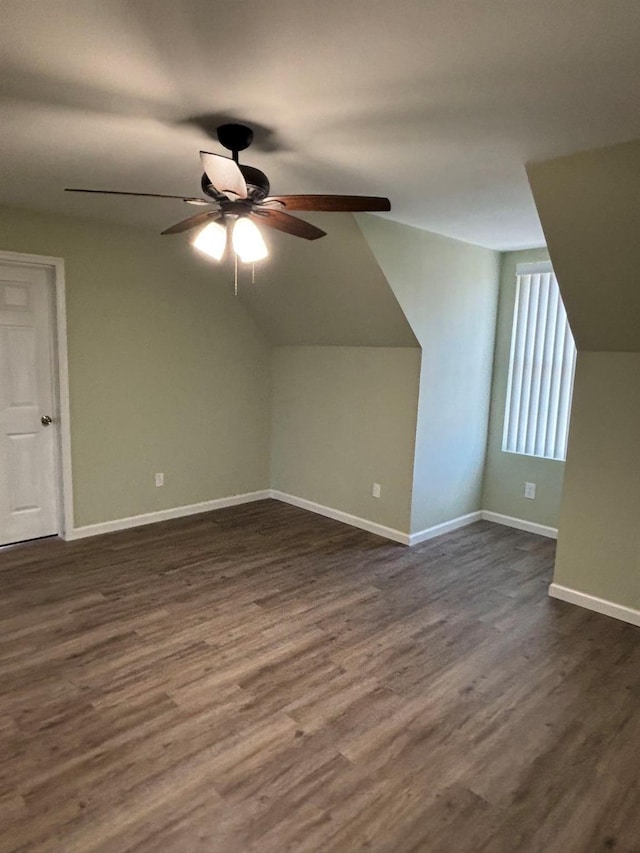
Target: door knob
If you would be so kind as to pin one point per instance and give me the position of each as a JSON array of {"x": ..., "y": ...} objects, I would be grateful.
[{"x": 45, "y": 420}]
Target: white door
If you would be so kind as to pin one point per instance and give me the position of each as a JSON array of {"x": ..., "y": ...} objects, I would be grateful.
[{"x": 28, "y": 487}]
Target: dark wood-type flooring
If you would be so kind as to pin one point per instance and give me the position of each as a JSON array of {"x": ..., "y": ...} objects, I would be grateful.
[{"x": 263, "y": 679}]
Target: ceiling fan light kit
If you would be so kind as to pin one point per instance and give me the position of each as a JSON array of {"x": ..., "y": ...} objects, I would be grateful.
[
  {"x": 247, "y": 241},
  {"x": 240, "y": 194},
  {"x": 211, "y": 240}
]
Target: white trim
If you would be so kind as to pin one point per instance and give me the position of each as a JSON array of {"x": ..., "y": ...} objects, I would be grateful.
[
  {"x": 164, "y": 515},
  {"x": 445, "y": 527},
  {"x": 345, "y": 517},
  {"x": 520, "y": 524},
  {"x": 328, "y": 512},
  {"x": 592, "y": 602},
  {"x": 61, "y": 378},
  {"x": 311, "y": 506},
  {"x": 535, "y": 268}
]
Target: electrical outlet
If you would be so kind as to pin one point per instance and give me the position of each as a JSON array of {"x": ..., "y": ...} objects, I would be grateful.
[
  {"x": 530, "y": 491},
  {"x": 160, "y": 479},
  {"x": 375, "y": 491}
]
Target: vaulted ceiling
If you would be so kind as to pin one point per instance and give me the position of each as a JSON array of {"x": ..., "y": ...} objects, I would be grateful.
[
  {"x": 436, "y": 103},
  {"x": 331, "y": 292}
]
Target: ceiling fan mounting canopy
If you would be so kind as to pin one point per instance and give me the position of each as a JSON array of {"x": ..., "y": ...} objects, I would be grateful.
[
  {"x": 235, "y": 137},
  {"x": 235, "y": 190}
]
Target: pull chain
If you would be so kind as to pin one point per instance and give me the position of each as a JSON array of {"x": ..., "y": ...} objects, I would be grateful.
[
  {"x": 253, "y": 273},
  {"x": 235, "y": 274}
]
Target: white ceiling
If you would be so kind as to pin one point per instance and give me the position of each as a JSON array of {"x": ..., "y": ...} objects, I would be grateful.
[{"x": 436, "y": 103}]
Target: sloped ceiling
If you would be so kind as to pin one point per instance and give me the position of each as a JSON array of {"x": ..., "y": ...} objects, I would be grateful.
[
  {"x": 589, "y": 206},
  {"x": 326, "y": 292}
]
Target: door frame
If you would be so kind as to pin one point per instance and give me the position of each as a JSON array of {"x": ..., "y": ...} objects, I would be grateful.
[{"x": 60, "y": 373}]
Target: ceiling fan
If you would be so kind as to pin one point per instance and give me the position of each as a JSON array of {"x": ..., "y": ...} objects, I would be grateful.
[{"x": 240, "y": 194}]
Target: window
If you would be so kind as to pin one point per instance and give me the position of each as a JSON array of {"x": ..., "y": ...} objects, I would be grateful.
[{"x": 541, "y": 367}]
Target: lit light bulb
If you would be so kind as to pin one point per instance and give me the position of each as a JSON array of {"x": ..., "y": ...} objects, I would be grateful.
[
  {"x": 211, "y": 240},
  {"x": 247, "y": 241}
]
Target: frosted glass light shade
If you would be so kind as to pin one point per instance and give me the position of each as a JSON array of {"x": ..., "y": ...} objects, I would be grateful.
[
  {"x": 247, "y": 241},
  {"x": 211, "y": 240}
]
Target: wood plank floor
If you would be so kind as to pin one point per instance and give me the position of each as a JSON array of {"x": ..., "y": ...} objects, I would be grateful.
[{"x": 263, "y": 679}]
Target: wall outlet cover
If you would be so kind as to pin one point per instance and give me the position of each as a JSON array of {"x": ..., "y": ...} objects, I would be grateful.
[{"x": 530, "y": 491}]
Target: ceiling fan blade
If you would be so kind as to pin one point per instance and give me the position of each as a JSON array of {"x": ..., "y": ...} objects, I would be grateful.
[
  {"x": 288, "y": 224},
  {"x": 190, "y": 199},
  {"x": 345, "y": 203},
  {"x": 224, "y": 174},
  {"x": 191, "y": 222}
]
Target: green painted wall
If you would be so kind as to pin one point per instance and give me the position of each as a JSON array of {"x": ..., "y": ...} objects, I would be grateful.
[
  {"x": 344, "y": 418},
  {"x": 588, "y": 205},
  {"x": 167, "y": 371},
  {"x": 599, "y": 545},
  {"x": 448, "y": 291},
  {"x": 506, "y": 473}
]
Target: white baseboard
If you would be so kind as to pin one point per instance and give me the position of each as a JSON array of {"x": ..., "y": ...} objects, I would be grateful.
[
  {"x": 445, "y": 527},
  {"x": 520, "y": 524},
  {"x": 163, "y": 515},
  {"x": 345, "y": 517},
  {"x": 592, "y": 602},
  {"x": 336, "y": 514}
]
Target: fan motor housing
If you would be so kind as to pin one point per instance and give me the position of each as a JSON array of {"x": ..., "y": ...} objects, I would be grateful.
[{"x": 257, "y": 184}]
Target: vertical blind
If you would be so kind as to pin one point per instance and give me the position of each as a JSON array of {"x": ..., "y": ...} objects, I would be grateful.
[{"x": 541, "y": 367}]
